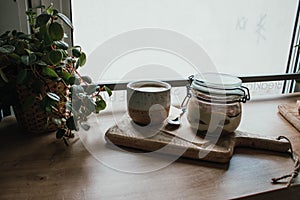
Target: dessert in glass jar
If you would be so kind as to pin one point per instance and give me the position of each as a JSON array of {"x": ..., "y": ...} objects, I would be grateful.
[{"x": 215, "y": 103}]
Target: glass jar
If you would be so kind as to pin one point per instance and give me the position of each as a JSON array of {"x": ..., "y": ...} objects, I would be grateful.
[{"x": 215, "y": 103}]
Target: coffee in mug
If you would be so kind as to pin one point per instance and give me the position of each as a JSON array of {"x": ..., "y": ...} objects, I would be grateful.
[{"x": 148, "y": 102}]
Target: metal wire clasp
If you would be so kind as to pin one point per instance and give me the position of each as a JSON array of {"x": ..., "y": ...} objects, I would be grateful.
[{"x": 187, "y": 97}]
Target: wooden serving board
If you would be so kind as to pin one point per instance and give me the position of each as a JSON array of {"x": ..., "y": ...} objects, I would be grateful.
[
  {"x": 291, "y": 114},
  {"x": 186, "y": 143}
]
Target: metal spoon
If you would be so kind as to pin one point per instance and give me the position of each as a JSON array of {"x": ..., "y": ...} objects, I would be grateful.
[{"x": 177, "y": 121}]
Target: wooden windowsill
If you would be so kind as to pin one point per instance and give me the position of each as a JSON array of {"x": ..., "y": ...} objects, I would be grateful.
[{"x": 41, "y": 167}]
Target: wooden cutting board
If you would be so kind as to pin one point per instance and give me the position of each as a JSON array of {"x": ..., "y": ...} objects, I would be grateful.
[
  {"x": 186, "y": 143},
  {"x": 291, "y": 114}
]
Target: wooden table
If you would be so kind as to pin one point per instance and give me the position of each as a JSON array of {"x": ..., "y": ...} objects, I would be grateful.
[{"x": 41, "y": 167}]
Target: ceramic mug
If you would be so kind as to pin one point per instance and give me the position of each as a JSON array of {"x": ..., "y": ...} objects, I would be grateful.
[{"x": 148, "y": 102}]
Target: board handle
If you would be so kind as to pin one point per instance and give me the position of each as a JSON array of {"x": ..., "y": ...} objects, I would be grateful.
[{"x": 244, "y": 139}]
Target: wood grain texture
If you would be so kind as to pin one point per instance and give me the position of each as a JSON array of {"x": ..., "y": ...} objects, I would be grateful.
[
  {"x": 41, "y": 167},
  {"x": 185, "y": 141},
  {"x": 291, "y": 114}
]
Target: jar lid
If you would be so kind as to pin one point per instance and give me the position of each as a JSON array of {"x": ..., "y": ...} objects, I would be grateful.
[{"x": 216, "y": 83}]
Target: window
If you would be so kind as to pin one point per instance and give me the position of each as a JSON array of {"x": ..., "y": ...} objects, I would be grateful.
[
  {"x": 239, "y": 37},
  {"x": 12, "y": 16}
]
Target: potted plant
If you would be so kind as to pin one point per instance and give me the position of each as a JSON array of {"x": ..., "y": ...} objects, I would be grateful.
[{"x": 39, "y": 77}]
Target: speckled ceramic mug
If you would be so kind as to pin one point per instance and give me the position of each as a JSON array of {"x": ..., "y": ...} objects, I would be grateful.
[{"x": 148, "y": 102}]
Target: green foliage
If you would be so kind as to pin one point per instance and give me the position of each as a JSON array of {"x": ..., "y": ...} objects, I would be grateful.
[
  {"x": 33, "y": 60},
  {"x": 100, "y": 105},
  {"x": 48, "y": 71},
  {"x": 55, "y": 57},
  {"x": 56, "y": 31}
]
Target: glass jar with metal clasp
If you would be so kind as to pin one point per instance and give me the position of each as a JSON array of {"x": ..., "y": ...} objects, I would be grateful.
[{"x": 215, "y": 102}]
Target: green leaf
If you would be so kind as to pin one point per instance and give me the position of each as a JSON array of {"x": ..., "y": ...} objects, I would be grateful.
[
  {"x": 77, "y": 65},
  {"x": 66, "y": 76},
  {"x": 47, "y": 71},
  {"x": 3, "y": 50},
  {"x": 48, "y": 108},
  {"x": 4, "y": 34},
  {"x": 15, "y": 57},
  {"x": 32, "y": 58},
  {"x": 14, "y": 33},
  {"x": 28, "y": 51},
  {"x": 56, "y": 31},
  {"x": 3, "y": 76},
  {"x": 65, "y": 19},
  {"x": 87, "y": 79},
  {"x": 43, "y": 35},
  {"x": 49, "y": 10},
  {"x": 25, "y": 59},
  {"x": 55, "y": 12},
  {"x": 60, "y": 133},
  {"x": 71, "y": 60},
  {"x": 61, "y": 45},
  {"x": 71, "y": 123},
  {"x": 41, "y": 63},
  {"x": 21, "y": 76},
  {"x": 108, "y": 90},
  {"x": 28, "y": 102},
  {"x": 53, "y": 96},
  {"x": 55, "y": 57},
  {"x": 20, "y": 46},
  {"x": 42, "y": 19},
  {"x": 24, "y": 36},
  {"x": 76, "y": 52},
  {"x": 72, "y": 80},
  {"x": 39, "y": 54},
  {"x": 100, "y": 105},
  {"x": 28, "y": 59},
  {"x": 65, "y": 54},
  {"x": 90, "y": 89},
  {"x": 6, "y": 49},
  {"x": 82, "y": 59}
]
